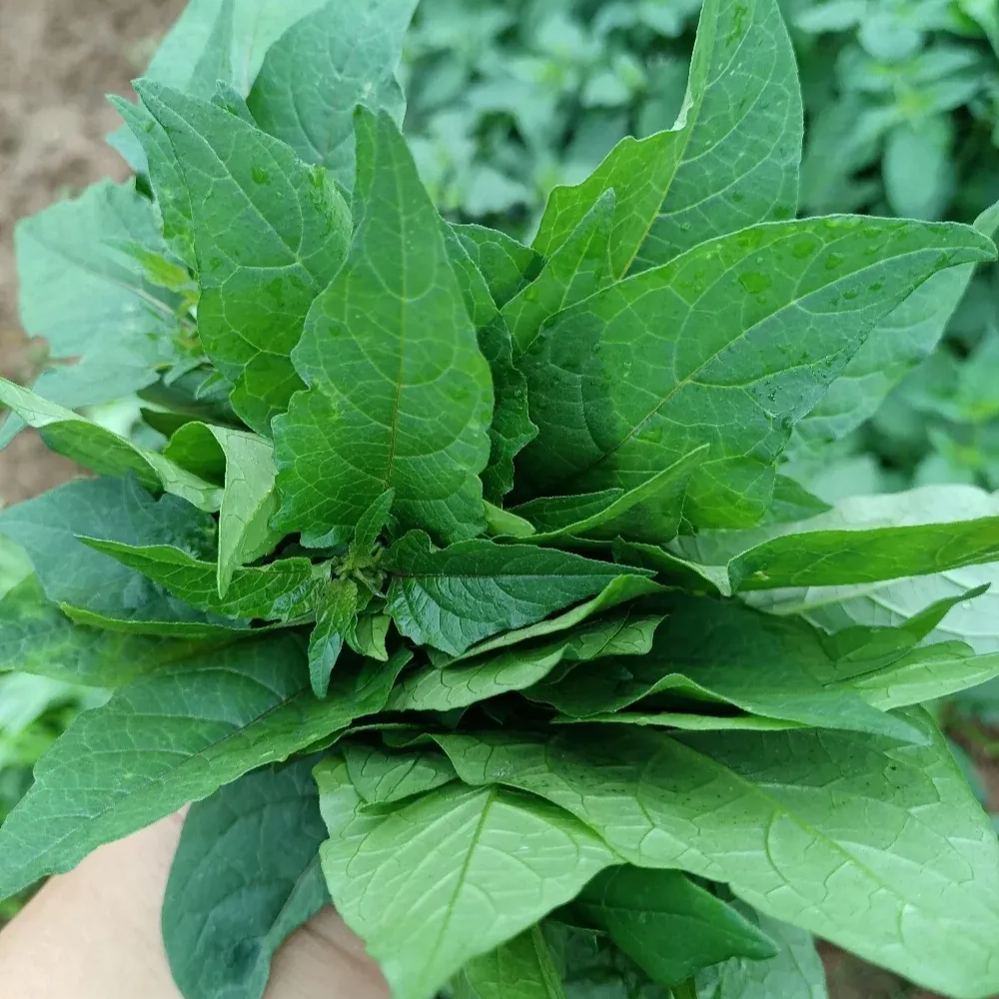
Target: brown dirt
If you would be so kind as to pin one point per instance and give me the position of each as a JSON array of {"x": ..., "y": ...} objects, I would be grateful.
[{"x": 58, "y": 58}]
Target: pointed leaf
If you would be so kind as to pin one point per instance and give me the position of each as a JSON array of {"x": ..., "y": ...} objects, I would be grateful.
[{"x": 407, "y": 403}]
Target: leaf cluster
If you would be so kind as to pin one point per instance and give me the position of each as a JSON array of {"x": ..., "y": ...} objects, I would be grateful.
[{"x": 460, "y": 581}]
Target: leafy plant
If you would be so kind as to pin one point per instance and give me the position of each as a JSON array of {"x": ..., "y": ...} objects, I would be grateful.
[{"x": 494, "y": 541}]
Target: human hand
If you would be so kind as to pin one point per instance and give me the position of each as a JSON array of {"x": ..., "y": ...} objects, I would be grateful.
[{"x": 95, "y": 934}]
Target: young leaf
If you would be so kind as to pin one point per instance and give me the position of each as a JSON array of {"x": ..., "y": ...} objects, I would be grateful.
[
  {"x": 795, "y": 972},
  {"x": 577, "y": 269},
  {"x": 68, "y": 255},
  {"x": 245, "y": 875},
  {"x": 465, "y": 682},
  {"x": 696, "y": 352},
  {"x": 283, "y": 590},
  {"x": 511, "y": 430},
  {"x": 219, "y": 715},
  {"x": 452, "y": 598},
  {"x": 400, "y": 396},
  {"x": 522, "y": 968},
  {"x": 249, "y": 499},
  {"x": 505, "y": 264},
  {"x": 103, "y": 451},
  {"x": 669, "y": 926},
  {"x": 260, "y": 265},
  {"x": 415, "y": 882},
  {"x": 810, "y": 827},
  {"x": 342, "y": 55},
  {"x": 731, "y": 160},
  {"x": 336, "y": 618}
]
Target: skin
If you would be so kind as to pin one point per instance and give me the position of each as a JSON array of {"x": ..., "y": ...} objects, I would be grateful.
[{"x": 95, "y": 934}]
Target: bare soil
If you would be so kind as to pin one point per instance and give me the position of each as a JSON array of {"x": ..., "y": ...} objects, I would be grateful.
[{"x": 58, "y": 58}]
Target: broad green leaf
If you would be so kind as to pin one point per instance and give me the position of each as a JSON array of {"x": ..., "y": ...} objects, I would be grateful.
[
  {"x": 795, "y": 972},
  {"x": 400, "y": 395},
  {"x": 218, "y": 716},
  {"x": 282, "y": 590},
  {"x": 37, "y": 638},
  {"x": 903, "y": 338},
  {"x": 245, "y": 875},
  {"x": 649, "y": 512},
  {"x": 870, "y": 539},
  {"x": 342, "y": 55},
  {"x": 260, "y": 262},
  {"x": 69, "y": 255},
  {"x": 369, "y": 528},
  {"x": 699, "y": 351},
  {"x": 673, "y": 569},
  {"x": 811, "y": 827},
  {"x": 381, "y": 777},
  {"x": 337, "y": 606},
  {"x": 577, "y": 269},
  {"x": 249, "y": 500},
  {"x": 721, "y": 654},
  {"x": 467, "y": 681},
  {"x": 511, "y": 428},
  {"x": 669, "y": 926},
  {"x": 522, "y": 968},
  {"x": 415, "y": 882},
  {"x": 103, "y": 451},
  {"x": 730, "y": 161},
  {"x": 505, "y": 264},
  {"x": 74, "y": 575},
  {"x": 452, "y": 598}
]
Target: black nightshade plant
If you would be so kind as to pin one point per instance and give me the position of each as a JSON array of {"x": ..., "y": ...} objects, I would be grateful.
[{"x": 441, "y": 576}]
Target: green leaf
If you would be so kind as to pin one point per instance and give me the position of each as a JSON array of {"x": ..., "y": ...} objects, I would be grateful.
[
  {"x": 382, "y": 778},
  {"x": 505, "y": 264},
  {"x": 69, "y": 254},
  {"x": 650, "y": 512},
  {"x": 522, "y": 968},
  {"x": 37, "y": 638},
  {"x": 511, "y": 429},
  {"x": 905, "y": 337},
  {"x": 342, "y": 55},
  {"x": 245, "y": 875},
  {"x": 260, "y": 264},
  {"x": 408, "y": 401},
  {"x": 415, "y": 882},
  {"x": 103, "y": 451},
  {"x": 731, "y": 160},
  {"x": 452, "y": 598},
  {"x": 249, "y": 499},
  {"x": 431, "y": 688},
  {"x": 577, "y": 269},
  {"x": 870, "y": 539},
  {"x": 666, "y": 924},
  {"x": 814, "y": 828},
  {"x": 283, "y": 590},
  {"x": 697, "y": 352},
  {"x": 336, "y": 618},
  {"x": 74, "y": 575},
  {"x": 796, "y": 971},
  {"x": 218, "y": 715},
  {"x": 722, "y": 655},
  {"x": 369, "y": 528}
]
